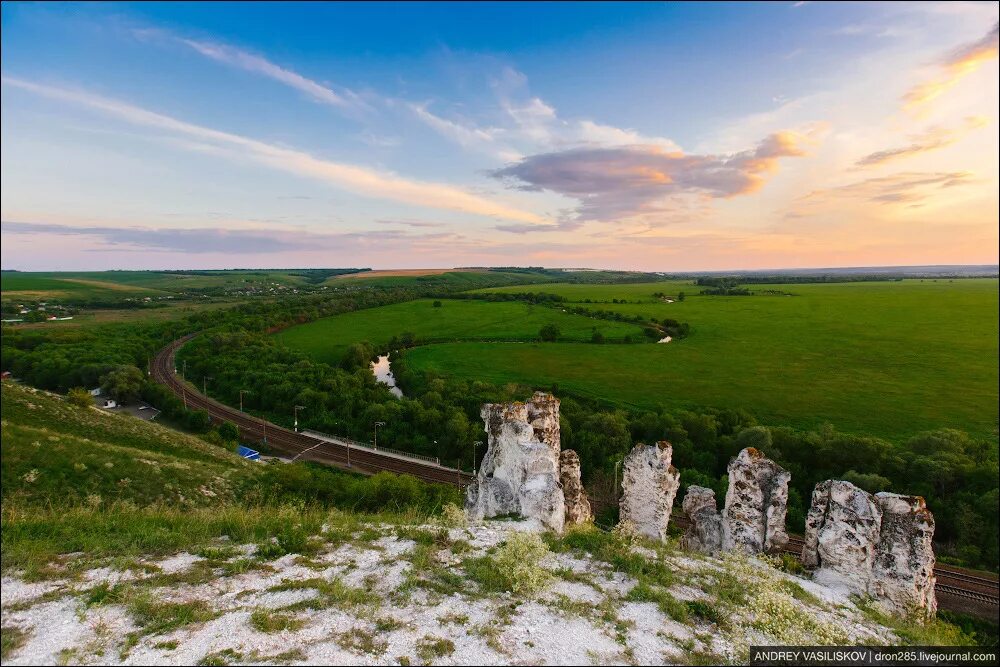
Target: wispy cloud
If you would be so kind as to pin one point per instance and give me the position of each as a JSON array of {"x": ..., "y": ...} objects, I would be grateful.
[
  {"x": 932, "y": 139},
  {"x": 341, "y": 98},
  {"x": 961, "y": 62},
  {"x": 232, "y": 241},
  {"x": 420, "y": 224},
  {"x": 361, "y": 180},
  {"x": 614, "y": 183},
  {"x": 909, "y": 188}
]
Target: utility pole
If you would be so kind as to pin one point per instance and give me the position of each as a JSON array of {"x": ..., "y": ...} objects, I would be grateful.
[
  {"x": 243, "y": 391},
  {"x": 377, "y": 424},
  {"x": 296, "y": 411},
  {"x": 204, "y": 384},
  {"x": 617, "y": 464},
  {"x": 184, "y": 372},
  {"x": 474, "y": 445}
]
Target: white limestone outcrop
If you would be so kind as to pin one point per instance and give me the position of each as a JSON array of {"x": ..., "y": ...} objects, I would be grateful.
[
  {"x": 754, "y": 517},
  {"x": 704, "y": 535},
  {"x": 575, "y": 496},
  {"x": 520, "y": 473},
  {"x": 903, "y": 570},
  {"x": 649, "y": 484},
  {"x": 842, "y": 534}
]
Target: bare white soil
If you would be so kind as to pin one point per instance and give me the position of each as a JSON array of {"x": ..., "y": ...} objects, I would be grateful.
[{"x": 583, "y": 616}]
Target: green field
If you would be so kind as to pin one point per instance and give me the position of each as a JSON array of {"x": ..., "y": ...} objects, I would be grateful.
[
  {"x": 464, "y": 320},
  {"x": 885, "y": 358}
]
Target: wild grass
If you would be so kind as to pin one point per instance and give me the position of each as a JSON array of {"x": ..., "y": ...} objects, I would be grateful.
[
  {"x": 270, "y": 621},
  {"x": 12, "y": 638}
]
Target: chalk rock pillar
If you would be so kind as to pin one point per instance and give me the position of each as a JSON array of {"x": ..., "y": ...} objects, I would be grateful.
[
  {"x": 520, "y": 471},
  {"x": 649, "y": 484},
  {"x": 842, "y": 533},
  {"x": 754, "y": 518},
  {"x": 704, "y": 535},
  {"x": 903, "y": 571},
  {"x": 576, "y": 501}
]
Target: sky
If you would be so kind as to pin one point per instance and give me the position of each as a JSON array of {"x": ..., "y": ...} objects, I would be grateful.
[{"x": 648, "y": 136}]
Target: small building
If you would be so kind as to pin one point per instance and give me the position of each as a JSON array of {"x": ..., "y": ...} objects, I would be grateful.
[
  {"x": 110, "y": 403},
  {"x": 95, "y": 392}
]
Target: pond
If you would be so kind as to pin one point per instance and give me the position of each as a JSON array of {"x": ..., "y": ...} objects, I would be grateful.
[{"x": 383, "y": 373}]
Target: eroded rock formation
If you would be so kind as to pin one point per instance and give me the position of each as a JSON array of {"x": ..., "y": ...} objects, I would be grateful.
[
  {"x": 754, "y": 518},
  {"x": 842, "y": 534},
  {"x": 520, "y": 472},
  {"x": 575, "y": 497},
  {"x": 878, "y": 545},
  {"x": 704, "y": 535},
  {"x": 649, "y": 484},
  {"x": 903, "y": 569}
]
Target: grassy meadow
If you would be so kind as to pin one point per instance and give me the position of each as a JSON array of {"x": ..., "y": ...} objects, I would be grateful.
[
  {"x": 456, "y": 320},
  {"x": 885, "y": 358}
]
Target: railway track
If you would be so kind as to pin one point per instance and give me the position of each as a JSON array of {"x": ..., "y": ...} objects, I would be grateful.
[
  {"x": 958, "y": 587},
  {"x": 253, "y": 429}
]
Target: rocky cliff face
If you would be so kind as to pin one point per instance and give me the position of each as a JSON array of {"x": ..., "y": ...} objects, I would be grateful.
[
  {"x": 842, "y": 533},
  {"x": 754, "y": 518},
  {"x": 575, "y": 497},
  {"x": 705, "y": 532},
  {"x": 903, "y": 568},
  {"x": 520, "y": 473},
  {"x": 649, "y": 484}
]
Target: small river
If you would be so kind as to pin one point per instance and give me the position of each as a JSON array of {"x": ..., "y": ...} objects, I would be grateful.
[{"x": 383, "y": 373}]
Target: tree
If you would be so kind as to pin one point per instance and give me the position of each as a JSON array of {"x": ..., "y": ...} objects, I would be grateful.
[
  {"x": 597, "y": 337},
  {"x": 549, "y": 333},
  {"x": 228, "y": 432},
  {"x": 123, "y": 384},
  {"x": 80, "y": 397},
  {"x": 680, "y": 296},
  {"x": 437, "y": 304}
]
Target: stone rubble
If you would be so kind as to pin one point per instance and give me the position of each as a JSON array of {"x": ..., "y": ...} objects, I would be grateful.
[
  {"x": 704, "y": 535},
  {"x": 520, "y": 474},
  {"x": 575, "y": 496},
  {"x": 649, "y": 484},
  {"x": 754, "y": 517}
]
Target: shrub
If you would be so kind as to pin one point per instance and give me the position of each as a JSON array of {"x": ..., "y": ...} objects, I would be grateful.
[
  {"x": 549, "y": 333},
  {"x": 80, "y": 397},
  {"x": 519, "y": 561}
]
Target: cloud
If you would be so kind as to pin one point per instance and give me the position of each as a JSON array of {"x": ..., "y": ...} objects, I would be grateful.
[
  {"x": 414, "y": 223},
  {"x": 614, "y": 183},
  {"x": 521, "y": 124},
  {"x": 465, "y": 134},
  {"x": 954, "y": 67},
  {"x": 230, "y": 241},
  {"x": 932, "y": 139},
  {"x": 361, "y": 180},
  {"x": 908, "y": 188},
  {"x": 343, "y": 99}
]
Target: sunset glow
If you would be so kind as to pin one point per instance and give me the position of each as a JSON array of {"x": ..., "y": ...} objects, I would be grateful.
[{"x": 154, "y": 136}]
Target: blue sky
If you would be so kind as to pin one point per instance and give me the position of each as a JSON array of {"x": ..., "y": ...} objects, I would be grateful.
[{"x": 657, "y": 136}]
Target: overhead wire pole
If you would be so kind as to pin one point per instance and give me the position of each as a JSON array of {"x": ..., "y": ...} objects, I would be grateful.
[
  {"x": 295, "y": 411},
  {"x": 474, "y": 445},
  {"x": 377, "y": 424}
]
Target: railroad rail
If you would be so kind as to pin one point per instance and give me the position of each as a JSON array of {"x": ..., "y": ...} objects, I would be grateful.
[
  {"x": 958, "y": 588},
  {"x": 253, "y": 429}
]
